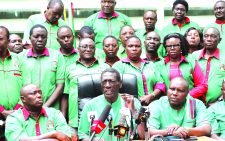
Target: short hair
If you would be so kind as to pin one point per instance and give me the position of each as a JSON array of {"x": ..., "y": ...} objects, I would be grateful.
[
  {"x": 6, "y": 30},
  {"x": 86, "y": 29},
  {"x": 200, "y": 46},
  {"x": 109, "y": 36},
  {"x": 153, "y": 11},
  {"x": 212, "y": 28},
  {"x": 183, "y": 42},
  {"x": 53, "y": 2},
  {"x": 219, "y": 2},
  {"x": 181, "y": 79},
  {"x": 126, "y": 26},
  {"x": 136, "y": 37},
  {"x": 112, "y": 70},
  {"x": 183, "y": 2},
  {"x": 81, "y": 40},
  {"x": 64, "y": 26},
  {"x": 37, "y": 26}
]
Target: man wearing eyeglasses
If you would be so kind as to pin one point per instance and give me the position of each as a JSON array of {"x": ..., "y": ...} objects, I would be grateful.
[
  {"x": 212, "y": 62},
  {"x": 219, "y": 12},
  {"x": 106, "y": 22},
  {"x": 180, "y": 23},
  {"x": 85, "y": 65}
]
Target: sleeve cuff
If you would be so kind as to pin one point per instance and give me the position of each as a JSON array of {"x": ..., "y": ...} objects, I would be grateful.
[
  {"x": 161, "y": 87},
  {"x": 1, "y": 108},
  {"x": 18, "y": 106}
]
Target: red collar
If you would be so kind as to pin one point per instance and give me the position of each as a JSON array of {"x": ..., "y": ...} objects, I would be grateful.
[
  {"x": 127, "y": 60},
  {"x": 220, "y": 21},
  {"x": 182, "y": 59},
  {"x": 31, "y": 53},
  {"x": 103, "y": 16},
  {"x": 54, "y": 23},
  {"x": 216, "y": 54},
  {"x": 26, "y": 113},
  {"x": 107, "y": 59},
  {"x": 73, "y": 52},
  {"x": 175, "y": 22}
]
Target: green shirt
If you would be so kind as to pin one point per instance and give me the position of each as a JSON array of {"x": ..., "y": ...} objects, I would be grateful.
[
  {"x": 10, "y": 82},
  {"x": 97, "y": 105},
  {"x": 214, "y": 73},
  {"x": 147, "y": 72},
  {"x": 103, "y": 26},
  {"x": 46, "y": 71},
  {"x": 163, "y": 115},
  {"x": 21, "y": 124},
  {"x": 218, "y": 118},
  {"x": 71, "y": 85},
  {"x": 71, "y": 58},
  {"x": 51, "y": 28}
]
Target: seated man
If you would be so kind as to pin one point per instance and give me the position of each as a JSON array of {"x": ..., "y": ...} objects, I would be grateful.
[
  {"x": 35, "y": 122},
  {"x": 110, "y": 82},
  {"x": 178, "y": 114},
  {"x": 218, "y": 120}
]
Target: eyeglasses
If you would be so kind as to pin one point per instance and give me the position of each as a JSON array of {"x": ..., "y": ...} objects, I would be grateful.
[
  {"x": 87, "y": 47},
  {"x": 174, "y": 46}
]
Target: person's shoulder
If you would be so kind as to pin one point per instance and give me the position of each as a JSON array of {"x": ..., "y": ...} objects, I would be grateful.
[
  {"x": 121, "y": 14},
  {"x": 218, "y": 105},
  {"x": 35, "y": 16},
  {"x": 93, "y": 16},
  {"x": 18, "y": 114}
]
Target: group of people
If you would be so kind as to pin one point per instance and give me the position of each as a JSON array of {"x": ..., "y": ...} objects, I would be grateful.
[{"x": 180, "y": 73}]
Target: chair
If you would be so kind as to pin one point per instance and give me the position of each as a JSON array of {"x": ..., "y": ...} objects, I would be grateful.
[{"x": 89, "y": 86}]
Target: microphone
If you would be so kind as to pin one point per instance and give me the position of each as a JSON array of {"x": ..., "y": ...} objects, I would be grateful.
[
  {"x": 121, "y": 129},
  {"x": 98, "y": 125}
]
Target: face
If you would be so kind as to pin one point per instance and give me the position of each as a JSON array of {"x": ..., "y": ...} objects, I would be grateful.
[
  {"x": 152, "y": 42},
  {"x": 150, "y": 20},
  {"x": 177, "y": 93},
  {"x": 219, "y": 10},
  {"x": 125, "y": 33},
  {"x": 211, "y": 39},
  {"x": 32, "y": 96},
  {"x": 193, "y": 38},
  {"x": 133, "y": 49},
  {"x": 110, "y": 47},
  {"x": 86, "y": 48},
  {"x": 179, "y": 12},
  {"x": 54, "y": 12},
  {"x": 65, "y": 38},
  {"x": 107, "y": 6},
  {"x": 3, "y": 40},
  {"x": 38, "y": 39},
  {"x": 15, "y": 44},
  {"x": 173, "y": 47},
  {"x": 110, "y": 86}
]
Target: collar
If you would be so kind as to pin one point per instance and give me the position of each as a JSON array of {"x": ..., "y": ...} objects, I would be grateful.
[
  {"x": 31, "y": 53},
  {"x": 175, "y": 22},
  {"x": 54, "y": 23},
  {"x": 127, "y": 60},
  {"x": 147, "y": 58},
  {"x": 182, "y": 59},
  {"x": 26, "y": 113},
  {"x": 102, "y": 15},
  {"x": 216, "y": 54},
  {"x": 73, "y": 52},
  {"x": 94, "y": 60},
  {"x": 107, "y": 59},
  {"x": 220, "y": 21}
]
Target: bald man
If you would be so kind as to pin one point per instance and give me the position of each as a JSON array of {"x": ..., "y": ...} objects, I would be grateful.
[
  {"x": 178, "y": 114},
  {"x": 15, "y": 43},
  {"x": 35, "y": 122}
]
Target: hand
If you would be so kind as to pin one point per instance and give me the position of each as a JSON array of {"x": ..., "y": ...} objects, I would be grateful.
[
  {"x": 181, "y": 132},
  {"x": 146, "y": 99},
  {"x": 172, "y": 128},
  {"x": 5, "y": 113},
  {"x": 129, "y": 101},
  {"x": 61, "y": 136}
]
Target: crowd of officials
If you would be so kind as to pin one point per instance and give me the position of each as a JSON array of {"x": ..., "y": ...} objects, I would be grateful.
[{"x": 180, "y": 74}]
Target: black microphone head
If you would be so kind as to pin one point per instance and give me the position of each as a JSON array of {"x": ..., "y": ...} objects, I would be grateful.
[
  {"x": 105, "y": 113},
  {"x": 142, "y": 110}
]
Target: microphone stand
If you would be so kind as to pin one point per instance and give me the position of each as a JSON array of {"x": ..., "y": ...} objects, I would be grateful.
[{"x": 110, "y": 128}]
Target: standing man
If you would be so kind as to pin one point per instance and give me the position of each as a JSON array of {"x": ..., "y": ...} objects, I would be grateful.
[
  {"x": 106, "y": 22},
  {"x": 152, "y": 43},
  {"x": 34, "y": 121},
  {"x": 65, "y": 38},
  {"x": 85, "y": 65},
  {"x": 50, "y": 19},
  {"x": 219, "y": 12},
  {"x": 11, "y": 79},
  {"x": 15, "y": 43},
  {"x": 211, "y": 61},
  {"x": 43, "y": 66}
]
